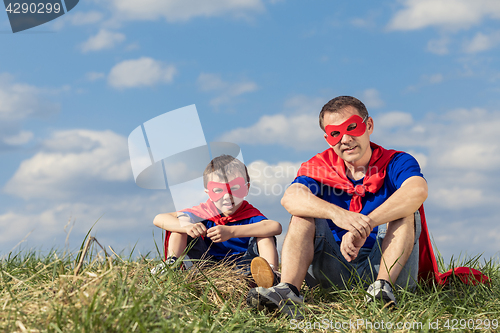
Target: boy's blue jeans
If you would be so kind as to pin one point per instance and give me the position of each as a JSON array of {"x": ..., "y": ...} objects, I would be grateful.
[
  {"x": 330, "y": 267},
  {"x": 199, "y": 251}
]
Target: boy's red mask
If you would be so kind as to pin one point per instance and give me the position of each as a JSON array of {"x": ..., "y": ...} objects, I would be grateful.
[
  {"x": 354, "y": 126},
  {"x": 224, "y": 188}
]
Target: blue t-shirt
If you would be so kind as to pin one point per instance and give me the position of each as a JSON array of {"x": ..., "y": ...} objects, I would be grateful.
[
  {"x": 401, "y": 167},
  {"x": 233, "y": 246}
]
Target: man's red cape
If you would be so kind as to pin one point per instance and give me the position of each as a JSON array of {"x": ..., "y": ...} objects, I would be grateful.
[
  {"x": 329, "y": 169},
  {"x": 208, "y": 211}
]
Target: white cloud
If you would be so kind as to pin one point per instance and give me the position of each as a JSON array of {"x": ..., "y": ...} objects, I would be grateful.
[
  {"x": 301, "y": 132},
  {"x": 434, "y": 78},
  {"x": 94, "y": 76},
  {"x": 439, "y": 46},
  {"x": 371, "y": 98},
  {"x": 482, "y": 42},
  {"x": 460, "y": 150},
  {"x": 226, "y": 91},
  {"x": 103, "y": 40},
  {"x": 394, "y": 119},
  {"x": 19, "y": 139},
  {"x": 268, "y": 183},
  {"x": 19, "y": 101},
  {"x": 448, "y": 14},
  {"x": 121, "y": 222},
  {"x": 140, "y": 72},
  {"x": 78, "y": 19},
  {"x": 184, "y": 10},
  {"x": 71, "y": 161},
  {"x": 84, "y": 18},
  {"x": 297, "y": 127}
]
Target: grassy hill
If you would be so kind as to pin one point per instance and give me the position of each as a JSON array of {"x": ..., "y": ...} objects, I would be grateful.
[{"x": 41, "y": 293}]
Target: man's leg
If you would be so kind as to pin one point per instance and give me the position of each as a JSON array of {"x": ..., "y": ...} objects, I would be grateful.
[
  {"x": 298, "y": 250},
  {"x": 402, "y": 270},
  {"x": 396, "y": 248},
  {"x": 297, "y": 255}
]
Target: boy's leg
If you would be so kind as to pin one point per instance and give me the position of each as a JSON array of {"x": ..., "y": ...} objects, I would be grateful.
[
  {"x": 267, "y": 250},
  {"x": 264, "y": 267},
  {"x": 176, "y": 244},
  {"x": 197, "y": 249}
]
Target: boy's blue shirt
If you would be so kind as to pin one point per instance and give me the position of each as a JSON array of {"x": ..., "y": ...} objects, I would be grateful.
[
  {"x": 233, "y": 246},
  {"x": 401, "y": 167}
]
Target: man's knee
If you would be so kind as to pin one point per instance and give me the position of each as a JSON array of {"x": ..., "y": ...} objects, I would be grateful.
[
  {"x": 300, "y": 226},
  {"x": 300, "y": 221},
  {"x": 404, "y": 227}
]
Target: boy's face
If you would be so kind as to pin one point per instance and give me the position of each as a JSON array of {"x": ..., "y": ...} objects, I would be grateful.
[{"x": 217, "y": 187}]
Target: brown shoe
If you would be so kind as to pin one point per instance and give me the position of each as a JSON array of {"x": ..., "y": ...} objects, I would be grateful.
[{"x": 262, "y": 273}]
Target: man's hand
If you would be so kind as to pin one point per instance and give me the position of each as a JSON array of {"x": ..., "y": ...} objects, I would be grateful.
[
  {"x": 219, "y": 233},
  {"x": 350, "y": 245},
  {"x": 196, "y": 230},
  {"x": 356, "y": 223}
]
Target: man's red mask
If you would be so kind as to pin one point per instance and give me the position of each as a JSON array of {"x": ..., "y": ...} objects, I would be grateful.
[
  {"x": 217, "y": 190},
  {"x": 354, "y": 126}
]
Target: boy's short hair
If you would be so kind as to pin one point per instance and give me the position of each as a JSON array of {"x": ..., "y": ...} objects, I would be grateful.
[
  {"x": 225, "y": 165},
  {"x": 338, "y": 103}
]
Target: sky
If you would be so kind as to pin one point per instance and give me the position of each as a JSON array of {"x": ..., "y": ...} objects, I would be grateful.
[{"x": 258, "y": 71}]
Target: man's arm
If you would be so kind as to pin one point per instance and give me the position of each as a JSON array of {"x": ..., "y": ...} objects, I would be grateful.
[
  {"x": 298, "y": 200},
  {"x": 404, "y": 202},
  {"x": 264, "y": 228}
]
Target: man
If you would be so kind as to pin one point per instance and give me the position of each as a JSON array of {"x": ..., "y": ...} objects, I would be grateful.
[{"x": 354, "y": 214}]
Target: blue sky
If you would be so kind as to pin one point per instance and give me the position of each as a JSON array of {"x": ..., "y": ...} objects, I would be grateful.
[{"x": 258, "y": 71}]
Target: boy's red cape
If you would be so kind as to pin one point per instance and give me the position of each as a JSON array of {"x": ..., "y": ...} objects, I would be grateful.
[
  {"x": 208, "y": 211},
  {"x": 329, "y": 169}
]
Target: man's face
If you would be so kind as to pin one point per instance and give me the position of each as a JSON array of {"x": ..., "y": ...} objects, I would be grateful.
[
  {"x": 350, "y": 148},
  {"x": 228, "y": 203}
]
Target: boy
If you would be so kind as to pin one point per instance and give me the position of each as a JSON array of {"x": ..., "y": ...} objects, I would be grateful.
[{"x": 225, "y": 227}]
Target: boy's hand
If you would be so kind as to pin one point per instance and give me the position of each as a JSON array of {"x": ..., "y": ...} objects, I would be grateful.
[
  {"x": 196, "y": 230},
  {"x": 219, "y": 233}
]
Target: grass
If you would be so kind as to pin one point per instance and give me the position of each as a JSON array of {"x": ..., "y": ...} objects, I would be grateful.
[{"x": 40, "y": 293}]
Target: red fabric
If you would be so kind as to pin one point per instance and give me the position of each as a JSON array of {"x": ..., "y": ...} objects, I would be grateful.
[
  {"x": 208, "y": 211},
  {"x": 329, "y": 169},
  {"x": 428, "y": 268}
]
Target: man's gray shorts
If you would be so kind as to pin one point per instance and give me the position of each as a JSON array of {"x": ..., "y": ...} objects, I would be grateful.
[{"x": 330, "y": 267}]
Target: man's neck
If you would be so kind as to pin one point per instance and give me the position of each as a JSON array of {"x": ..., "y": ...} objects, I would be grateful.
[{"x": 358, "y": 169}]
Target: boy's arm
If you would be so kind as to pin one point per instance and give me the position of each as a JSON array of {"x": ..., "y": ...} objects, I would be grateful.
[
  {"x": 264, "y": 228},
  {"x": 168, "y": 221},
  {"x": 181, "y": 223}
]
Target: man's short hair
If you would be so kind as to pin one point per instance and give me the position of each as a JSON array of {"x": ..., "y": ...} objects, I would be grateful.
[
  {"x": 225, "y": 165},
  {"x": 338, "y": 103}
]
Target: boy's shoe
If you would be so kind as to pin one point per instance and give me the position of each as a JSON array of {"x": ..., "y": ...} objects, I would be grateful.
[
  {"x": 159, "y": 269},
  {"x": 381, "y": 289},
  {"x": 172, "y": 262},
  {"x": 262, "y": 273},
  {"x": 280, "y": 297}
]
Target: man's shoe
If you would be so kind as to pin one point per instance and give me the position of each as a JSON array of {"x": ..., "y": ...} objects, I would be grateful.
[
  {"x": 381, "y": 289},
  {"x": 262, "y": 273},
  {"x": 280, "y": 297}
]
